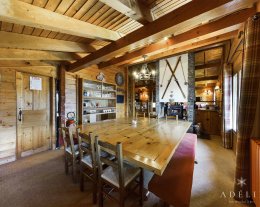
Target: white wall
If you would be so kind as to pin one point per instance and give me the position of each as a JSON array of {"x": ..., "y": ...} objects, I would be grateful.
[{"x": 173, "y": 92}]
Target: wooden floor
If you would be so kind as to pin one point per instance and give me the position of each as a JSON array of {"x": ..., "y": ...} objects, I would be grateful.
[{"x": 39, "y": 181}]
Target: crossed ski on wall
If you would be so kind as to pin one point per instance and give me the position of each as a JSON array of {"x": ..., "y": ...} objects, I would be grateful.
[{"x": 173, "y": 76}]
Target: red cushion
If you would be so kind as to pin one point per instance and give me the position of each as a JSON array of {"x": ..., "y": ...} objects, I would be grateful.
[{"x": 174, "y": 186}]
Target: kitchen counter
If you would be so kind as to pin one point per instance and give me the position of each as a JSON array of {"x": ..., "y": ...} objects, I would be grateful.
[
  {"x": 210, "y": 120},
  {"x": 204, "y": 109}
]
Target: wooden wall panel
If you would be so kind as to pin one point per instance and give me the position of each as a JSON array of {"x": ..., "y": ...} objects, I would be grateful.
[
  {"x": 70, "y": 93},
  {"x": 205, "y": 96},
  {"x": 238, "y": 60},
  {"x": 8, "y": 106},
  {"x": 7, "y": 116}
]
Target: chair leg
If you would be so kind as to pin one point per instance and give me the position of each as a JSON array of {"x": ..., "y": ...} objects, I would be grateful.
[
  {"x": 165, "y": 204},
  {"x": 141, "y": 187},
  {"x": 66, "y": 165},
  {"x": 121, "y": 198},
  {"x": 95, "y": 185},
  {"x": 73, "y": 170},
  {"x": 81, "y": 179},
  {"x": 94, "y": 193},
  {"x": 100, "y": 194}
]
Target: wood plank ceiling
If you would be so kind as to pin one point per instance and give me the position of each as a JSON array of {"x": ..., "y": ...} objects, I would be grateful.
[{"x": 20, "y": 41}]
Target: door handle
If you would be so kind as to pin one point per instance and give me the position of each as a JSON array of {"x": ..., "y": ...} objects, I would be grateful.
[{"x": 20, "y": 114}]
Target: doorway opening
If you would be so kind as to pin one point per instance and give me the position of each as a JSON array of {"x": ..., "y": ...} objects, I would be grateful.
[{"x": 145, "y": 98}]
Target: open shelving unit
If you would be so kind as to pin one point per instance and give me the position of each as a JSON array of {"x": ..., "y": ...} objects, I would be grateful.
[{"x": 97, "y": 101}]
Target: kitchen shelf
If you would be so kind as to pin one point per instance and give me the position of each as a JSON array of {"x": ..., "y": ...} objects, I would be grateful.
[
  {"x": 100, "y": 113},
  {"x": 87, "y": 103},
  {"x": 102, "y": 98},
  {"x": 105, "y": 90},
  {"x": 97, "y": 108},
  {"x": 92, "y": 89},
  {"x": 208, "y": 101}
]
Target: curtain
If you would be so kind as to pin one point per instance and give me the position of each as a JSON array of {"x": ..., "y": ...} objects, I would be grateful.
[
  {"x": 248, "y": 120},
  {"x": 227, "y": 104},
  {"x": 256, "y": 126}
]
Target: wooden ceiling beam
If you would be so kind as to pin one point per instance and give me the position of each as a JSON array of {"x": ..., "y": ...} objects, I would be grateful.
[
  {"x": 220, "y": 24},
  {"x": 26, "y": 63},
  {"x": 208, "y": 65},
  {"x": 22, "y": 41},
  {"x": 187, "y": 48},
  {"x": 19, "y": 54},
  {"x": 207, "y": 78},
  {"x": 258, "y": 6},
  {"x": 134, "y": 9},
  {"x": 190, "y": 47},
  {"x": 190, "y": 14},
  {"x": 209, "y": 48},
  {"x": 18, "y": 12}
]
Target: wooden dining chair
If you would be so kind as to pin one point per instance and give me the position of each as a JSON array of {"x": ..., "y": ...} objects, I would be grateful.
[
  {"x": 118, "y": 175},
  {"x": 71, "y": 151},
  {"x": 88, "y": 167}
]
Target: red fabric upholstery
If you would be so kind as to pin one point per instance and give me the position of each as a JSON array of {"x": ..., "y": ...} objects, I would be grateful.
[{"x": 174, "y": 186}]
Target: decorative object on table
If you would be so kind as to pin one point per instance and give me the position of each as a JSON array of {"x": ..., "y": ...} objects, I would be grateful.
[
  {"x": 101, "y": 77},
  {"x": 145, "y": 73},
  {"x": 134, "y": 122},
  {"x": 70, "y": 119},
  {"x": 119, "y": 78}
]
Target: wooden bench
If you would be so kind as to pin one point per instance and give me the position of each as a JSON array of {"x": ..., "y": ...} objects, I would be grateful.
[{"x": 174, "y": 186}]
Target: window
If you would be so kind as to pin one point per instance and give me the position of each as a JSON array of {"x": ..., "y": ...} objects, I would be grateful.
[{"x": 235, "y": 98}]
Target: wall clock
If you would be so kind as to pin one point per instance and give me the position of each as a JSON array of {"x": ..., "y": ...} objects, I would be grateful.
[{"x": 119, "y": 78}]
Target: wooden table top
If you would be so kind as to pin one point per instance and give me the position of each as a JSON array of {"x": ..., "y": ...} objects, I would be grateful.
[{"x": 150, "y": 144}]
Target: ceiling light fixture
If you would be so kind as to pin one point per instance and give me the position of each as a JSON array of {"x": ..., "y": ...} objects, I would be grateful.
[
  {"x": 166, "y": 38},
  {"x": 145, "y": 73}
]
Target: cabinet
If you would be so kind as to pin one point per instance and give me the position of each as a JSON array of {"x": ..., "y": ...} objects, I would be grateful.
[
  {"x": 210, "y": 121},
  {"x": 97, "y": 101}
]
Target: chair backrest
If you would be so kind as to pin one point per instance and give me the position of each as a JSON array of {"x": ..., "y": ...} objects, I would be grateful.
[
  {"x": 115, "y": 150},
  {"x": 86, "y": 145},
  {"x": 68, "y": 139}
]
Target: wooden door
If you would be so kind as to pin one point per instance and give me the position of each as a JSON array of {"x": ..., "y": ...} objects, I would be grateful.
[{"x": 33, "y": 127}]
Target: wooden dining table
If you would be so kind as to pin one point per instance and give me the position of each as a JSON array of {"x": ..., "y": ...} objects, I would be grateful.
[{"x": 149, "y": 144}]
